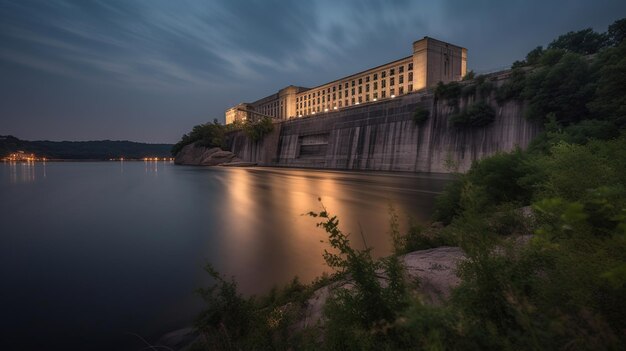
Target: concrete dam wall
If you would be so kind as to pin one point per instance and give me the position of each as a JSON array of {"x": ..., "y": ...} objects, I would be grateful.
[{"x": 382, "y": 136}]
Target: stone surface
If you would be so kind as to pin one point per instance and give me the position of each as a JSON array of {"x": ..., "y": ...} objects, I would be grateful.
[
  {"x": 195, "y": 155},
  {"x": 434, "y": 268}
]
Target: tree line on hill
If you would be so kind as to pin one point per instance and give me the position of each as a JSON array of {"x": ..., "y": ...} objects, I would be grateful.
[{"x": 83, "y": 150}]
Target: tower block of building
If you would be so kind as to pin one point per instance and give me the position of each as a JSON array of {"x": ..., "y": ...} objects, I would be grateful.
[{"x": 432, "y": 61}]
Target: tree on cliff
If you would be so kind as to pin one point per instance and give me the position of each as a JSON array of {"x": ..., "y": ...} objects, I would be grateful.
[{"x": 208, "y": 135}]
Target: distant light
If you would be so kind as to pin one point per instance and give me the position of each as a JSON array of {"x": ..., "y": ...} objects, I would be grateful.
[
  {"x": 299, "y": 115},
  {"x": 356, "y": 103},
  {"x": 334, "y": 108},
  {"x": 313, "y": 112},
  {"x": 375, "y": 99},
  {"x": 326, "y": 110},
  {"x": 393, "y": 96}
]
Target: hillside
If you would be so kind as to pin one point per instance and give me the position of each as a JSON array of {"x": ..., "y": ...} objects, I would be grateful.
[{"x": 82, "y": 150}]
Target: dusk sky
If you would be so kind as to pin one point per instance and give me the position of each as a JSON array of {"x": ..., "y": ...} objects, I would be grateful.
[{"x": 150, "y": 70}]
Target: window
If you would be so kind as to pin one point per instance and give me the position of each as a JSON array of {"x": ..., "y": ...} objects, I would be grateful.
[
  {"x": 334, "y": 96},
  {"x": 401, "y": 90},
  {"x": 375, "y": 85},
  {"x": 328, "y": 90},
  {"x": 410, "y": 76},
  {"x": 367, "y": 79},
  {"x": 383, "y": 94},
  {"x": 345, "y": 93},
  {"x": 367, "y": 97},
  {"x": 411, "y": 66},
  {"x": 383, "y": 83},
  {"x": 340, "y": 94},
  {"x": 353, "y": 101},
  {"x": 375, "y": 95},
  {"x": 375, "y": 76},
  {"x": 339, "y": 103},
  {"x": 352, "y": 91},
  {"x": 323, "y": 92},
  {"x": 360, "y": 80},
  {"x": 392, "y": 81},
  {"x": 334, "y": 89},
  {"x": 360, "y": 99},
  {"x": 360, "y": 89},
  {"x": 392, "y": 71},
  {"x": 392, "y": 91},
  {"x": 383, "y": 74},
  {"x": 352, "y": 83},
  {"x": 401, "y": 69},
  {"x": 410, "y": 88},
  {"x": 345, "y": 102},
  {"x": 323, "y": 98},
  {"x": 367, "y": 88},
  {"x": 318, "y": 100},
  {"x": 401, "y": 79},
  {"x": 318, "y": 93},
  {"x": 346, "y": 87}
]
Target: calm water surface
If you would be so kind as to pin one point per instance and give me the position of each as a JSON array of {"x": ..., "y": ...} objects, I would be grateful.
[{"x": 92, "y": 253}]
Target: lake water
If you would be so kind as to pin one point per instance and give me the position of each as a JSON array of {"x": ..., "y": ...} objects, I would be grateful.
[{"x": 92, "y": 253}]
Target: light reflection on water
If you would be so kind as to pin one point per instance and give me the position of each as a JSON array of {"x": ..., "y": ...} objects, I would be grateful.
[{"x": 97, "y": 250}]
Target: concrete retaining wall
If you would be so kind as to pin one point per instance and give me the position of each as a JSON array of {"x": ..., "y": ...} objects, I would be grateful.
[{"x": 382, "y": 136}]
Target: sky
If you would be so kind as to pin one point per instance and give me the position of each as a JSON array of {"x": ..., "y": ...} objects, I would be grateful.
[{"x": 149, "y": 70}]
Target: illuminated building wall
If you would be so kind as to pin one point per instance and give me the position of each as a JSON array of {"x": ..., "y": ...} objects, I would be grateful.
[{"x": 432, "y": 61}]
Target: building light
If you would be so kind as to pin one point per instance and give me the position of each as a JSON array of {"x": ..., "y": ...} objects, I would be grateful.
[
  {"x": 313, "y": 112},
  {"x": 393, "y": 96},
  {"x": 334, "y": 108},
  {"x": 375, "y": 99},
  {"x": 326, "y": 110},
  {"x": 356, "y": 103},
  {"x": 299, "y": 115}
]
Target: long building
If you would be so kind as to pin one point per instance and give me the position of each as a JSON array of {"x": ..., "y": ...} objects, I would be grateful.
[{"x": 432, "y": 61}]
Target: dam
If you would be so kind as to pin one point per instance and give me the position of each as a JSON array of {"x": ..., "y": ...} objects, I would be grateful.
[{"x": 383, "y": 136}]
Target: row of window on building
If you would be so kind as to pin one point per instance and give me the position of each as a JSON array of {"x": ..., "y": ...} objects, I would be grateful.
[
  {"x": 275, "y": 108},
  {"x": 355, "y": 91}
]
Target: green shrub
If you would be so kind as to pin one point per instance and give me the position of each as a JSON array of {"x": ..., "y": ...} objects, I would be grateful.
[
  {"x": 513, "y": 87},
  {"x": 478, "y": 114},
  {"x": 256, "y": 130},
  {"x": 420, "y": 115},
  {"x": 469, "y": 75},
  {"x": 584, "y": 42},
  {"x": 447, "y": 204},
  {"x": 450, "y": 91},
  {"x": 563, "y": 89}
]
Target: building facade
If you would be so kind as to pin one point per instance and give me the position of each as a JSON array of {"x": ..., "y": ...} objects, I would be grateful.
[{"x": 432, "y": 61}]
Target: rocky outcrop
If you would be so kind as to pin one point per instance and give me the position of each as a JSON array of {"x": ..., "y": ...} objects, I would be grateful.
[
  {"x": 197, "y": 155},
  {"x": 434, "y": 268}
]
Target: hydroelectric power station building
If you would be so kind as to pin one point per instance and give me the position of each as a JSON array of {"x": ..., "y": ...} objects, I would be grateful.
[{"x": 432, "y": 61}]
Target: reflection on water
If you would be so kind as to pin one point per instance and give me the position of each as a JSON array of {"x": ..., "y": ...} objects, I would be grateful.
[
  {"x": 24, "y": 171},
  {"x": 98, "y": 250}
]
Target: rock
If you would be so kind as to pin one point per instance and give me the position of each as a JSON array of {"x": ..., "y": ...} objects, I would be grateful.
[
  {"x": 217, "y": 158},
  {"x": 436, "y": 271},
  {"x": 435, "y": 268},
  {"x": 196, "y": 155}
]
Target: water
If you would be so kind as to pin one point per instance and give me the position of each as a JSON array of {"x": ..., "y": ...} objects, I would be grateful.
[{"x": 93, "y": 253}]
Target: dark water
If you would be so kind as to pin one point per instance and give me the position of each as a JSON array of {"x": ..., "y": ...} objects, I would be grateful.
[{"x": 91, "y": 253}]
